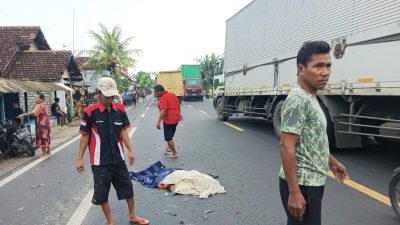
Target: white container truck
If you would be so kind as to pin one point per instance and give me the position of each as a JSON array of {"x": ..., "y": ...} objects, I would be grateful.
[{"x": 362, "y": 98}]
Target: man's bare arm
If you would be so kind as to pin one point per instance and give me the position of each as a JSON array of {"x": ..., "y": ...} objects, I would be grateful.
[
  {"x": 162, "y": 114},
  {"x": 288, "y": 156},
  {"x": 84, "y": 142},
  {"x": 126, "y": 140},
  {"x": 296, "y": 202}
]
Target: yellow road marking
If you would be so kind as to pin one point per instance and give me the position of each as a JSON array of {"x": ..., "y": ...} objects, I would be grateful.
[
  {"x": 373, "y": 194},
  {"x": 233, "y": 126},
  {"x": 203, "y": 111}
]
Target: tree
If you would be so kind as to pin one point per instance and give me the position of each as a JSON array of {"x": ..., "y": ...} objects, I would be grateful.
[
  {"x": 144, "y": 80},
  {"x": 207, "y": 65},
  {"x": 110, "y": 54}
]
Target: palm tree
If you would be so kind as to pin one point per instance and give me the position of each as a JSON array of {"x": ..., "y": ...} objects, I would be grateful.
[{"x": 110, "y": 53}]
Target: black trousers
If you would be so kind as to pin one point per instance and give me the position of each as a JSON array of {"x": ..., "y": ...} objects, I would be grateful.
[
  {"x": 115, "y": 174},
  {"x": 312, "y": 195}
]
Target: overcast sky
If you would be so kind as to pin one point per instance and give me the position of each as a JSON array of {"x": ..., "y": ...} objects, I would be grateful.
[{"x": 169, "y": 32}]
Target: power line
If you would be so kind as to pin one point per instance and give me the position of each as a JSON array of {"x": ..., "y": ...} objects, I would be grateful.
[{"x": 2, "y": 12}]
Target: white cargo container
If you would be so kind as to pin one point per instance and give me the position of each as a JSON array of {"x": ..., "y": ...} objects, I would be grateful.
[{"x": 362, "y": 96}]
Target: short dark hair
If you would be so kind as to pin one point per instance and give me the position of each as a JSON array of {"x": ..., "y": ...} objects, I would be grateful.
[
  {"x": 310, "y": 48},
  {"x": 159, "y": 88},
  {"x": 56, "y": 99},
  {"x": 41, "y": 96}
]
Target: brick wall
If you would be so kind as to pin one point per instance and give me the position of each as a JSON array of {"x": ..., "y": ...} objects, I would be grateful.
[{"x": 31, "y": 100}]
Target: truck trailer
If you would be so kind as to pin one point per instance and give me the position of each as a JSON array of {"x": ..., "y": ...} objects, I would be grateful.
[
  {"x": 172, "y": 82},
  {"x": 362, "y": 98}
]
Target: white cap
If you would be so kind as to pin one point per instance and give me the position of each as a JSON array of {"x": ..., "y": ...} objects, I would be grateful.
[{"x": 107, "y": 86}]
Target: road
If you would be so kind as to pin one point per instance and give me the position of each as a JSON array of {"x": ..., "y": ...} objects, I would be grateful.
[{"x": 247, "y": 163}]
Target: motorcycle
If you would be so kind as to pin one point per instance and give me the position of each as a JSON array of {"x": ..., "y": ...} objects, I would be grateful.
[
  {"x": 15, "y": 140},
  {"x": 394, "y": 191}
]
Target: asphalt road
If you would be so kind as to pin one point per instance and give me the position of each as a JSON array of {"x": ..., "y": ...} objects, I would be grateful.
[{"x": 246, "y": 162}]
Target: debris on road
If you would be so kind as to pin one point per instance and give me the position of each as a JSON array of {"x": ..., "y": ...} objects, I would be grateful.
[
  {"x": 21, "y": 208},
  {"x": 205, "y": 217},
  {"x": 170, "y": 194},
  {"x": 237, "y": 212},
  {"x": 39, "y": 185},
  {"x": 208, "y": 211},
  {"x": 170, "y": 213}
]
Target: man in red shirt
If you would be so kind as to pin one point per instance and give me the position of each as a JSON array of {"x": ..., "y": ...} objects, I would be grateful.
[{"x": 170, "y": 114}]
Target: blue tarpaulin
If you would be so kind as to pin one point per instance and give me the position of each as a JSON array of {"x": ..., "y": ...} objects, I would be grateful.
[{"x": 153, "y": 175}]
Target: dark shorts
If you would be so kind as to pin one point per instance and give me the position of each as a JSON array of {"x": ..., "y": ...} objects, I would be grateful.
[
  {"x": 104, "y": 176},
  {"x": 169, "y": 131},
  {"x": 313, "y": 197}
]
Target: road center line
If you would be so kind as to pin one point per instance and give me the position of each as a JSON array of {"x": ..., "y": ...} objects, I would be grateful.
[
  {"x": 203, "y": 111},
  {"x": 233, "y": 126},
  {"x": 373, "y": 194},
  {"x": 34, "y": 163},
  {"x": 143, "y": 115},
  {"x": 80, "y": 213}
]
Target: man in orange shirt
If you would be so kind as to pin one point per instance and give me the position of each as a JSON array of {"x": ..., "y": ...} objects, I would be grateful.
[{"x": 170, "y": 114}]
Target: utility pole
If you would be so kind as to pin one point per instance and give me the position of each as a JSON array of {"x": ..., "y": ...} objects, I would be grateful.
[{"x": 73, "y": 31}]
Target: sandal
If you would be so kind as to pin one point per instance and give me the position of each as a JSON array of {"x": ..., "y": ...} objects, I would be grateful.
[
  {"x": 172, "y": 156},
  {"x": 140, "y": 221}
]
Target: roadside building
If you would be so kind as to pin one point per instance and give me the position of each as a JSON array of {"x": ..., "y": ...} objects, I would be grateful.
[{"x": 28, "y": 65}]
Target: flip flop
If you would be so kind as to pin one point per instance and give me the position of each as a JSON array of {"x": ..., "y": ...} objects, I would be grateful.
[
  {"x": 141, "y": 221},
  {"x": 172, "y": 156}
]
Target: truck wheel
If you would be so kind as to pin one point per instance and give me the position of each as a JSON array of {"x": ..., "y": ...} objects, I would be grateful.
[
  {"x": 220, "y": 110},
  {"x": 330, "y": 130},
  {"x": 277, "y": 118}
]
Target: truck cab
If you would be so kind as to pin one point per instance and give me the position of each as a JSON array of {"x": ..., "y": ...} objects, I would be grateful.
[
  {"x": 218, "y": 81},
  {"x": 192, "y": 82}
]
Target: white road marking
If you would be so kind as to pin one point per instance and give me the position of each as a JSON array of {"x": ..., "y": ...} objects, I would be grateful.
[
  {"x": 81, "y": 212},
  {"x": 34, "y": 163},
  {"x": 190, "y": 106},
  {"x": 148, "y": 107},
  {"x": 129, "y": 108},
  {"x": 132, "y": 131},
  {"x": 143, "y": 115},
  {"x": 203, "y": 111}
]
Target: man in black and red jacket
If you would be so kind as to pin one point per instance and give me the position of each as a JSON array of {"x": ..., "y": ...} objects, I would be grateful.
[{"x": 104, "y": 129}]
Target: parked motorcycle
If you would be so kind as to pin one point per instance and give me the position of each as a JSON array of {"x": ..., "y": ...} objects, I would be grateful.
[
  {"x": 394, "y": 191},
  {"x": 15, "y": 140}
]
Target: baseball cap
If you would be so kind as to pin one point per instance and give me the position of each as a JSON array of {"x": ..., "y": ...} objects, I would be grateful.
[{"x": 107, "y": 86}]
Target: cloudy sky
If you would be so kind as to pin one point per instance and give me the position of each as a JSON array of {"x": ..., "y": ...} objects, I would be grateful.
[{"x": 169, "y": 32}]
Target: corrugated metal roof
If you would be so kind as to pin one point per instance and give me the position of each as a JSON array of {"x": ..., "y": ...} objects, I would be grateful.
[{"x": 13, "y": 86}]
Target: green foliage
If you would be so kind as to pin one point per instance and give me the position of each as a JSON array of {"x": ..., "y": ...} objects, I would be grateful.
[
  {"x": 111, "y": 53},
  {"x": 144, "y": 80},
  {"x": 207, "y": 65},
  {"x": 124, "y": 84}
]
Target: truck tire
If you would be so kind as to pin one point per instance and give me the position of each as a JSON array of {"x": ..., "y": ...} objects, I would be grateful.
[
  {"x": 220, "y": 110},
  {"x": 330, "y": 130},
  {"x": 277, "y": 118}
]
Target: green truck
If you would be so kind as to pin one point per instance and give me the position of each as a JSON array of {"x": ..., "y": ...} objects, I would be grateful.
[{"x": 192, "y": 82}]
